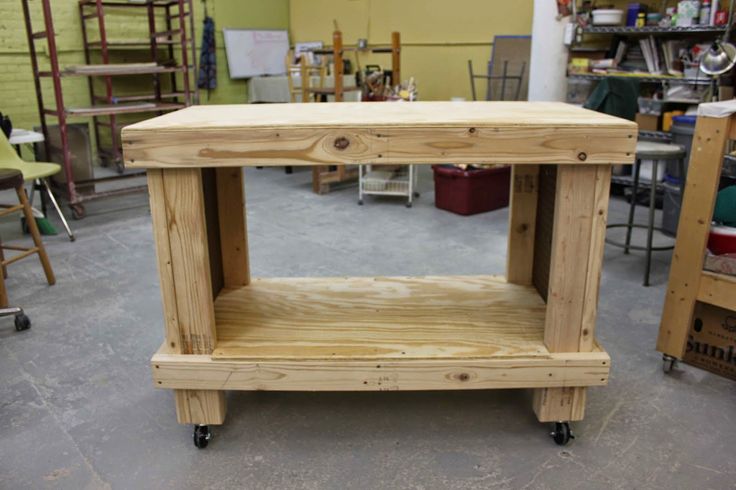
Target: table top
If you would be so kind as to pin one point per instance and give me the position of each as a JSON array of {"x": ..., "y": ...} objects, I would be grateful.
[
  {"x": 362, "y": 115},
  {"x": 21, "y": 136},
  {"x": 396, "y": 133}
]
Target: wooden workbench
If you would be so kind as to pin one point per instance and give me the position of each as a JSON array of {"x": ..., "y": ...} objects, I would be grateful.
[{"x": 533, "y": 329}]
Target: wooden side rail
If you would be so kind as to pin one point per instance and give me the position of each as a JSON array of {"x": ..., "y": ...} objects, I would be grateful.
[{"x": 687, "y": 282}]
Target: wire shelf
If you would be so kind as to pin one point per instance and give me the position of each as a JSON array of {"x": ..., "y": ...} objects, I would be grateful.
[
  {"x": 643, "y": 78},
  {"x": 653, "y": 29}
]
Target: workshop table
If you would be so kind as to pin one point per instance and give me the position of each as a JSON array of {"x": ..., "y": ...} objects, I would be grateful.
[{"x": 535, "y": 328}]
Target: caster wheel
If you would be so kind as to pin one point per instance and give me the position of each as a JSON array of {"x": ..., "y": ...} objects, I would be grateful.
[
  {"x": 78, "y": 211},
  {"x": 202, "y": 436},
  {"x": 22, "y": 322},
  {"x": 416, "y": 194},
  {"x": 668, "y": 363},
  {"x": 562, "y": 434},
  {"x": 360, "y": 202},
  {"x": 408, "y": 205}
]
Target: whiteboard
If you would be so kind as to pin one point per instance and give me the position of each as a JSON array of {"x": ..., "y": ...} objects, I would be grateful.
[{"x": 251, "y": 53}]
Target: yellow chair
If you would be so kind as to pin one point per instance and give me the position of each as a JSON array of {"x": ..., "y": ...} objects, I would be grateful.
[{"x": 33, "y": 172}]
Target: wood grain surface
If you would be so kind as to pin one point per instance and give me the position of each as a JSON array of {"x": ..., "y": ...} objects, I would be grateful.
[
  {"x": 706, "y": 157},
  {"x": 204, "y": 372},
  {"x": 355, "y": 133},
  {"x": 379, "y": 318}
]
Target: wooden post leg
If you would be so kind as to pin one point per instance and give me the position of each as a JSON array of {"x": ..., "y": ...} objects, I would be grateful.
[
  {"x": 704, "y": 171},
  {"x": 233, "y": 227},
  {"x": 522, "y": 223},
  {"x": 318, "y": 186},
  {"x": 180, "y": 231},
  {"x": 581, "y": 206}
]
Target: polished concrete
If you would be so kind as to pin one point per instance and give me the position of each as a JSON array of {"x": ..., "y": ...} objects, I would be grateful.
[{"x": 78, "y": 409}]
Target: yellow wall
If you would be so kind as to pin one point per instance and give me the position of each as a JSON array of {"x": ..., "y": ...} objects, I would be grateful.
[
  {"x": 438, "y": 36},
  {"x": 17, "y": 93}
]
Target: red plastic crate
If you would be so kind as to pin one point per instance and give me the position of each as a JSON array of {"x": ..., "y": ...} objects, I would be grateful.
[{"x": 469, "y": 192}]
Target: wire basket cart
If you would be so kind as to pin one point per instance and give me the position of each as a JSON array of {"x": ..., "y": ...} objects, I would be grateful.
[{"x": 382, "y": 180}]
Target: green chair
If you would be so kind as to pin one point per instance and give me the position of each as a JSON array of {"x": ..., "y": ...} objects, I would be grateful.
[{"x": 33, "y": 172}]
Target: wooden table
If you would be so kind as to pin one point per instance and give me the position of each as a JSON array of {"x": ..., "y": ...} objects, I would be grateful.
[{"x": 533, "y": 329}]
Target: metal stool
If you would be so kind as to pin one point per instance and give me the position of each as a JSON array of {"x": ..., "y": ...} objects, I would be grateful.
[
  {"x": 13, "y": 179},
  {"x": 658, "y": 153}
]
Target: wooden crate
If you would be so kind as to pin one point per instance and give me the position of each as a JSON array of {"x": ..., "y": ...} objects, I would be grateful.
[{"x": 533, "y": 329}]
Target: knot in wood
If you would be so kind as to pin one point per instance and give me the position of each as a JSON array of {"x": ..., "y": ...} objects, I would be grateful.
[{"x": 342, "y": 142}]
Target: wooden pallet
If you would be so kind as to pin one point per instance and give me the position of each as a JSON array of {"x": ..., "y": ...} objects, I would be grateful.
[{"x": 534, "y": 329}]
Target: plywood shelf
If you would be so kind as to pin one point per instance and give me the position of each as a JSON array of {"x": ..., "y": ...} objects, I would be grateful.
[
  {"x": 125, "y": 108},
  {"x": 409, "y": 333},
  {"x": 380, "y": 318}
]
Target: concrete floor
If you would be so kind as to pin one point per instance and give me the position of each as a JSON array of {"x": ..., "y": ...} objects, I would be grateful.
[{"x": 78, "y": 409}]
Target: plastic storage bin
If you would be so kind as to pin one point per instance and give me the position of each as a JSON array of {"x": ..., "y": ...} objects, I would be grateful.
[
  {"x": 683, "y": 128},
  {"x": 671, "y": 204},
  {"x": 469, "y": 192}
]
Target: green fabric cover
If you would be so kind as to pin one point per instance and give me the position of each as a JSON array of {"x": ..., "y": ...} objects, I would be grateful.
[
  {"x": 616, "y": 97},
  {"x": 725, "y": 211}
]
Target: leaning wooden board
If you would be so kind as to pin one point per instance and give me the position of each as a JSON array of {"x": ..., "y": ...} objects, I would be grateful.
[{"x": 535, "y": 329}]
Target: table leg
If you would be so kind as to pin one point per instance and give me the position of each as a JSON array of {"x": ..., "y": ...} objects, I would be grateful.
[
  {"x": 580, "y": 212},
  {"x": 178, "y": 213},
  {"x": 522, "y": 223},
  {"x": 233, "y": 227}
]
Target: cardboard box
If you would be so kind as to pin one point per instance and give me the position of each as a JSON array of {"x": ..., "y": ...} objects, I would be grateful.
[
  {"x": 647, "y": 122},
  {"x": 711, "y": 343}
]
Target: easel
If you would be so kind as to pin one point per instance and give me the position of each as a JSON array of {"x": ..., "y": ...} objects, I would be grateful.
[
  {"x": 323, "y": 176},
  {"x": 306, "y": 72},
  {"x": 688, "y": 283}
]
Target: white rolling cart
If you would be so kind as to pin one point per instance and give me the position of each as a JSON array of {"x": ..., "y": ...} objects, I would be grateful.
[{"x": 385, "y": 180}]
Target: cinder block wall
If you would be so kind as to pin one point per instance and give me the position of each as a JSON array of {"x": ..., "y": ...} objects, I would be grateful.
[{"x": 17, "y": 93}]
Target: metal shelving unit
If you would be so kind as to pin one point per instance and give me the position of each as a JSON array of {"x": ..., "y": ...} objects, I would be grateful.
[
  {"x": 643, "y": 79},
  {"x": 706, "y": 32},
  {"x": 174, "y": 34},
  {"x": 108, "y": 105},
  {"x": 652, "y": 29}
]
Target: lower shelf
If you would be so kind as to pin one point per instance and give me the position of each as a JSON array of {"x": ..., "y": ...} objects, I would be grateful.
[{"x": 398, "y": 333}]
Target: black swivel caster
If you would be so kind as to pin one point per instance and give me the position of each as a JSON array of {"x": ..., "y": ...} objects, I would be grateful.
[
  {"x": 562, "y": 434},
  {"x": 668, "y": 363},
  {"x": 408, "y": 205},
  {"x": 416, "y": 194},
  {"x": 360, "y": 202},
  {"x": 202, "y": 436},
  {"x": 22, "y": 322}
]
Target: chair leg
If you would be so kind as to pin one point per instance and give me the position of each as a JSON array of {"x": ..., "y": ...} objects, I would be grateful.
[
  {"x": 650, "y": 225},
  {"x": 632, "y": 206},
  {"x": 3, "y": 293},
  {"x": 33, "y": 228},
  {"x": 58, "y": 210},
  {"x": 2, "y": 260}
]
